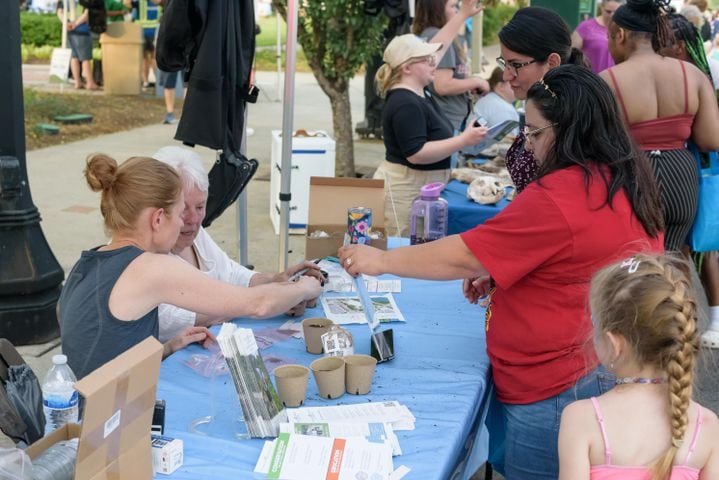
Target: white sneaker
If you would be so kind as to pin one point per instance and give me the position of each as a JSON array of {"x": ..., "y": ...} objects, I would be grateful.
[{"x": 710, "y": 339}]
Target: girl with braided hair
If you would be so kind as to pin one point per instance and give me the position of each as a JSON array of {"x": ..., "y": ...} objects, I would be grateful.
[
  {"x": 689, "y": 46},
  {"x": 671, "y": 103},
  {"x": 647, "y": 427}
]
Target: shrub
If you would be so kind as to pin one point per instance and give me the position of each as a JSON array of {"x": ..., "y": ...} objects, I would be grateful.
[
  {"x": 40, "y": 29},
  {"x": 494, "y": 19}
]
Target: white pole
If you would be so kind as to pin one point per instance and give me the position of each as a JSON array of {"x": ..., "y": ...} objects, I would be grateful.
[
  {"x": 64, "y": 23},
  {"x": 477, "y": 22},
  {"x": 242, "y": 205},
  {"x": 278, "y": 55},
  {"x": 287, "y": 119}
]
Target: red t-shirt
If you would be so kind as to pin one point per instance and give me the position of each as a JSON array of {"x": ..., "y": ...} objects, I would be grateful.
[{"x": 542, "y": 251}]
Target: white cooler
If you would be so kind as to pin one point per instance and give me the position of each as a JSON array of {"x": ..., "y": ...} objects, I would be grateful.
[{"x": 311, "y": 157}]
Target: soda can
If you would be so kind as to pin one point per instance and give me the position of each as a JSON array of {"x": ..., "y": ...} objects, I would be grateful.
[{"x": 359, "y": 224}]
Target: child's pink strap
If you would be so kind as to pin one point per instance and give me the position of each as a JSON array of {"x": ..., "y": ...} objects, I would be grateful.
[
  {"x": 600, "y": 420},
  {"x": 695, "y": 437}
]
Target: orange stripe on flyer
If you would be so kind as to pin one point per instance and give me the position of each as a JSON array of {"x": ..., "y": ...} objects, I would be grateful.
[{"x": 338, "y": 450}]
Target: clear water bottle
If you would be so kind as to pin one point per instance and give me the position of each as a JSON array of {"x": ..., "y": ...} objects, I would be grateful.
[
  {"x": 59, "y": 397},
  {"x": 428, "y": 215}
]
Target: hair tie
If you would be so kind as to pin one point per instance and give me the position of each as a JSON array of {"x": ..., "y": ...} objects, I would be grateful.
[{"x": 631, "y": 264}]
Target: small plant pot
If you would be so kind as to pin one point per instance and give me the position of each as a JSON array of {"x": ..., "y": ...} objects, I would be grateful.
[
  {"x": 291, "y": 383},
  {"x": 359, "y": 372},
  {"x": 329, "y": 373},
  {"x": 312, "y": 330}
]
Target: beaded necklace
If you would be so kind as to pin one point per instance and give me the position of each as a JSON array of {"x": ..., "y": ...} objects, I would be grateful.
[{"x": 626, "y": 380}]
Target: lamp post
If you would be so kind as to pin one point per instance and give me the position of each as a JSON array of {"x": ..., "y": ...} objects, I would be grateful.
[{"x": 30, "y": 276}]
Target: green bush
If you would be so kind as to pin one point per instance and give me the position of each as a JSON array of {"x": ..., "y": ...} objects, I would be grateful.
[
  {"x": 494, "y": 19},
  {"x": 40, "y": 29}
]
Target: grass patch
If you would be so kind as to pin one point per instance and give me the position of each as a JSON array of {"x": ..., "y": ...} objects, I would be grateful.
[
  {"x": 267, "y": 60},
  {"x": 268, "y": 31},
  {"x": 111, "y": 113}
]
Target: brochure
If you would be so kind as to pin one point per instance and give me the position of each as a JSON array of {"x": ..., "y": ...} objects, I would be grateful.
[
  {"x": 341, "y": 281},
  {"x": 306, "y": 457},
  {"x": 348, "y": 309}
]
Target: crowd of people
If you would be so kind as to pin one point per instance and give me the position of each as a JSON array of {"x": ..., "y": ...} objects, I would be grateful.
[{"x": 588, "y": 261}]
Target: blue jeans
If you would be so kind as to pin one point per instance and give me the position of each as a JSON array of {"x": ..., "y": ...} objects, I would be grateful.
[{"x": 533, "y": 429}]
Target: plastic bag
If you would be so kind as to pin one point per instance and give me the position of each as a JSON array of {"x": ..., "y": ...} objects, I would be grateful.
[
  {"x": 15, "y": 464},
  {"x": 23, "y": 390}
]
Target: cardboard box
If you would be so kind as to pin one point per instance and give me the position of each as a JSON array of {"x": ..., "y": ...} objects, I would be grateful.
[
  {"x": 115, "y": 431},
  {"x": 329, "y": 200},
  {"x": 167, "y": 454}
]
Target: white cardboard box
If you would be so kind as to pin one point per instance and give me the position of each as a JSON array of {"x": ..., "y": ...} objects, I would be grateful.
[
  {"x": 167, "y": 454},
  {"x": 312, "y": 156}
]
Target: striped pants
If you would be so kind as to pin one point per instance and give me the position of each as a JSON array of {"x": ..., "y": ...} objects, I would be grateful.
[{"x": 678, "y": 179}]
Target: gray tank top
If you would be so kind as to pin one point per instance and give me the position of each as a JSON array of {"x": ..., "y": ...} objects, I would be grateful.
[{"x": 91, "y": 336}]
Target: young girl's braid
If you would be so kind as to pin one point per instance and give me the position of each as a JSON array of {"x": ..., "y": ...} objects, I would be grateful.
[{"x": 679, "y": 364}]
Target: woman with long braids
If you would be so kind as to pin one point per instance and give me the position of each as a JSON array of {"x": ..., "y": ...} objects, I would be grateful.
[
  {"x": 688, "y": 46},
  {"x": 647, "y": 427},
  {"x": 665, "y": 102}
]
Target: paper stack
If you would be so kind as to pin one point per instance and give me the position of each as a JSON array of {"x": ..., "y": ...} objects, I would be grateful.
[
  {"x": 391, "y": 412},
  {"x": 261, "y": 406}
]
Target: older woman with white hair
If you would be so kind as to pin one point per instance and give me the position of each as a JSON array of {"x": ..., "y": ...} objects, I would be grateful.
[{"x": 196, "y": 247}]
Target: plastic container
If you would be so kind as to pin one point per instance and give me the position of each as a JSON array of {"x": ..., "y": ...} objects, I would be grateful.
[
  {"x": 428, "y": 217},
  {"x": 59, "y": 397},
  {"x": 57, "y": 462}
]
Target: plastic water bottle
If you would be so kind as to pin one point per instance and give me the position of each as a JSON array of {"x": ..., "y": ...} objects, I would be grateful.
[
  {"x": 59, "y": 395},
  {"x": 428, "y": 215}
]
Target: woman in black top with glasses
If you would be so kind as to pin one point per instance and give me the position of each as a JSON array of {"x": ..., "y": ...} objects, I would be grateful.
[{"x": 417, "y": 136}]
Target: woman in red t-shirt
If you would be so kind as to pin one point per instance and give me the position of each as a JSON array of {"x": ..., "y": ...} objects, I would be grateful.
[{"x": 594, "y": 201}]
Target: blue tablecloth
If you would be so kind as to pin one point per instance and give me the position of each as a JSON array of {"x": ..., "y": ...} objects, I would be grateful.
[
  {"x": 464, "y": 213},
  {"x": 440, "y": 372}
]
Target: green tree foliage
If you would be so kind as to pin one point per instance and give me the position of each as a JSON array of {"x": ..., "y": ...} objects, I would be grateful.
[
  {"x": 337, "y": 38},
  {"x": 40, "y": 29},
  {"x": 495, "y": 17}
]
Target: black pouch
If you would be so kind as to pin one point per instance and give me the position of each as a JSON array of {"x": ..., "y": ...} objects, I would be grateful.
[{"x": 228, "y": 177}]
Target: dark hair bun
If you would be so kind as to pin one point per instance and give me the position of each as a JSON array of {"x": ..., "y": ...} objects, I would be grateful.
[
  {"x": 648, "y": 6},
  {"x": 101, "y": 172}
]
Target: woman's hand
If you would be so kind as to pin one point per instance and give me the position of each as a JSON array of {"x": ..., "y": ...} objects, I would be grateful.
[
  {"x": 473, "y": 135},
  {"x": 310, "y": 286},
  {"x": 475, "y": 289},
  {"x": 481, "y": 86},
  {"x": 358, "y": 259},
  {"x": 313, "y": 270},
  {"x": 189, "y": 335},
  {"x": 470, "y": 8}
]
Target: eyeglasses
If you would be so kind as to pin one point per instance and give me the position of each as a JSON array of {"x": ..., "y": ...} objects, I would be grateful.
[
  {"x": 530, "y": 134},
  {"x": 431, "y": 60},
  {"x": 512, "y": 66}
]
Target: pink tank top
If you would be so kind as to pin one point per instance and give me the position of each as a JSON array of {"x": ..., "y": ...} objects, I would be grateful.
[{"x": 607, "y": 471}]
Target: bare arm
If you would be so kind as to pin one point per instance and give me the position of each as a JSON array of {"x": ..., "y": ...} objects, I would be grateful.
[
  {"x": 436, "y": 150},
  {"x": 445, "y": 259},
  {"x": 710, "y": 429},
  {"x": 449, "y": 31},
  {"x": 573, "y": 446},
  {"x": 577, "y": 40},
  {"x": 446, "y": 84},
  {"x": 152, "y": 279},
  {"x": 705, "y": 130}
]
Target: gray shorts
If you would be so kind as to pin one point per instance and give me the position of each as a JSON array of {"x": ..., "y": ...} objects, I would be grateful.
[
  {"x": 167, "y": 79},
  {"x": 81, "y": 45}
]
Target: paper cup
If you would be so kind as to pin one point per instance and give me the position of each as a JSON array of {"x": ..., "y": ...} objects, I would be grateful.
[
  {"x": 291, "y": 383},
  {"x": 329, "y": 373},
  {"x": 312, "y": 330},
  {"x": 359, "y": 371}
]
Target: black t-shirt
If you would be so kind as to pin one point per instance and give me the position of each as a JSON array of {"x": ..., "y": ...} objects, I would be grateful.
[{"x": 408, "y": 122}]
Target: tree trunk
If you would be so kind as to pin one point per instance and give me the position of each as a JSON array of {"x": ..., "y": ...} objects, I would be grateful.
[{"x": 342, "y": 125}]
